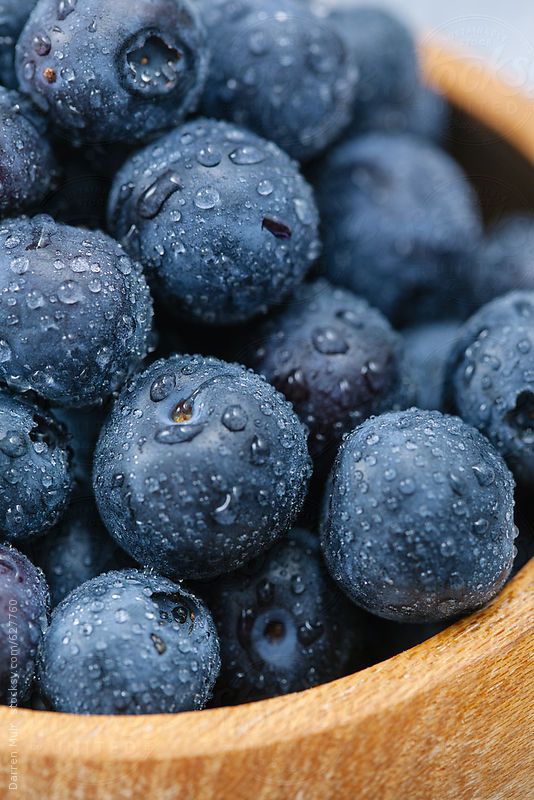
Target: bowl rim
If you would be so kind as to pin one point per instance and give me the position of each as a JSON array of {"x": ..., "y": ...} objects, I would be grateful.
[{"x": 352, "y": 701}]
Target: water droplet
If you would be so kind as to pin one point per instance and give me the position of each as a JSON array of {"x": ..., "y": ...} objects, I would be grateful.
[
  {"x": 42, "y": 44},
  {"x": 153, "y": 199},
  {"x": 329, "y": 341},
  {"x": 235, "y": 418},
  {"x": 162, "y": 387},
  {"x": 207, "y": 198},
  {"x": 247, "y": 155},
  {"x": 209, "y": 156},
  {"x": 69, "y": 293},
  {"x": 265, "y": 188},
  {"x": 64, "y": 8},
  {"x": 177, "y": 434},
  {"x": 5, "y": 351},
  {"x": 260, "y": 450}
]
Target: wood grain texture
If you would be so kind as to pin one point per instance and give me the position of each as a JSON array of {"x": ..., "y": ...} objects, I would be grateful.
[{"x": 452, "y": 719}]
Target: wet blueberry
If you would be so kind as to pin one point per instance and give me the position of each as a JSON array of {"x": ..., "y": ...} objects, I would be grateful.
[
  {"x": 336, "y": 360},
  {"x": 384, "y": 51},
  {"x": 283, "y": 624},
  {"x": 27, "y": 165},
  {"x": 400, "y": 226},
  {"x": 34, "y": 468},
  {"x": 490, "y": 378},
  {"x": 129, "y": 642},
  {"x": 23, "y": 620},
  {"x": 222, "y": 220},
  {"x": 75, "y": 314},
  {"x": 112, "y": 70},
  {"x": 200, "y": 467},
  {"x": 419, "y": 523},
  {"x": 280, "y": 70}
]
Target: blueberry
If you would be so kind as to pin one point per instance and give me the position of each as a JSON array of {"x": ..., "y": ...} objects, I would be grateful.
[
  {"x": 221, "y": 218},
  {"x": 129, "y": 642},
  {"x": 419, "y": 524},
  {"x": 27, "y": 165},
  {"x": 200, "y": 467},
  {"x": 400, "y": 225},
  {"x": 427, "y": 349},
  {"x": 34, "y": 466},
  {"x": 13, "y": 16},
  {"x": 506, "y": 260},
  {"x": 23, "y": 620},
  {"x": 280, "y": 70},
  {"x": 336, "y": 360},
  {"x": 490, "y": 378},
  {"x": 384, "y": 51},
  {"x": 283, "y": 625},
  {"x": 77, "y": 549},
  {"x": 75, "y": 314},
  {"x": 112, "y": 70}
]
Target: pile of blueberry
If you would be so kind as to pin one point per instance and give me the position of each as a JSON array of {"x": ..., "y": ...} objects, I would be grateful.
[{"x": 266, "y": 385}]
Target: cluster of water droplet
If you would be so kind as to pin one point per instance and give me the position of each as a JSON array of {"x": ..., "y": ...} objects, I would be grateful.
[
  {"x": 222, "y": 219},
  {"x": 113, "y": 71},
  {"x": 34, "y": 467},
  {"x": 200, "y": 467},
  {"x": 75, "y": 311},
  {"x": 24, "y": 614},
  {"x": 283, "y": 624},
  {"x": 399, "y": 223},
  {"x": 337, "y": 360},
  {"x": 419, "y": 524},
  {"x": 280, "y": 70},
  {"x": 491, "y": 378},
  {"x": 27, "y": 165},
  {"x": 129, "y": 642}
]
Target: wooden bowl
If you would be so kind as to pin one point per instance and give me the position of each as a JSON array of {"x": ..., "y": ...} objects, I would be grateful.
[{"x": 451, "y": 718}]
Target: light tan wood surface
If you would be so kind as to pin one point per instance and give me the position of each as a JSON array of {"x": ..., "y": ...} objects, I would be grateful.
[{"x": 452, "y": 719}]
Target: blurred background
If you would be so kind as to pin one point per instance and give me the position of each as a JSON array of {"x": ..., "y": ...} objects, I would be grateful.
[{"x": 498, "y": 31}]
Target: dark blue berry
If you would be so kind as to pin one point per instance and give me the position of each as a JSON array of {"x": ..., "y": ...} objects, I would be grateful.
[
  {"x": 400, "y": 224},
  {"x": 384, "y": 51},
  {"x": 222, "y": 220},
  {"x": 23, "y": 620},
  {"x": 34, "y": 467},
  {"x": 490, "y": 378},
  {"x": 427, "y": 349},
  {"x": 419, "y": 523},
  {"x": 112, "y": 70},
  {"x": 336, "y": 360},
  {"x": 13, "y": 17},
  {"x": 283, "y": 624},
  {"x": 27, "y": 165},
  {"x": 201, "y": 466},
  {"x": 77, "y": 549},
  {"x": 129, "y": 642},
  {"x": 506, "y": 260},
  {"x": 75, "y": 314},
  {"x": 280, "y": 70}
]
